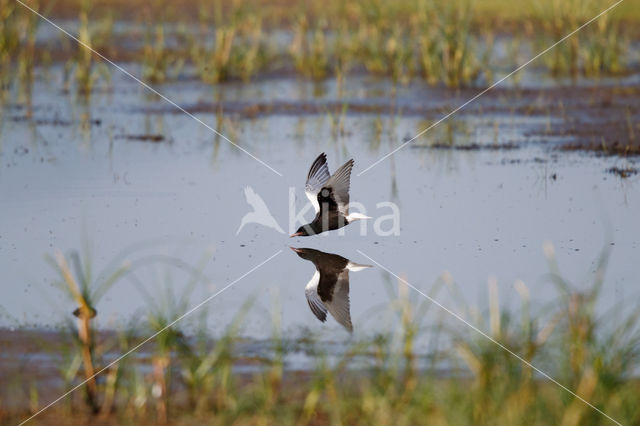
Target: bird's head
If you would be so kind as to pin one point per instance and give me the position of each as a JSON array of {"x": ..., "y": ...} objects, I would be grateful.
[
  {"x": 303, "y": 231},
  {"x": 307, "y": 253}
]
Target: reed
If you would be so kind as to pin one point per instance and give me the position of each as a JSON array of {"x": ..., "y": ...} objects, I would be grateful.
[
  {"x": 85, "y": 291},
  {"x": 598, "y": 49},
  {"x": 605, "y": 50},
  {"x": 9, "y": 40},
  {"x": 309, "y": 49},
  {"x": 83, "y": 66},
  {"x": 24, "y": 25},
  {"x": 191, "y": 375},
  {"x": 448, "y": 43},
  {"x": 232, "y": 46}
]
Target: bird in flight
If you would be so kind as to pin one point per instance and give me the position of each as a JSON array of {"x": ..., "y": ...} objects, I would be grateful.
[
  {"x": 260, "y": 214},
  {"x": 330, "y": 198},
  {"x": 328, "y": 290}
]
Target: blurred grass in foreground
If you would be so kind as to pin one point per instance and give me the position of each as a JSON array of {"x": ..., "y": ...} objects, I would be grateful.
[{"x": 186, "y": 376}]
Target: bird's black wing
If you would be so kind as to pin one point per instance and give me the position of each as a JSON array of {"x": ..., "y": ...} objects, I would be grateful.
[
  {"x": 333, "y": 289},
  {"x": 315, "y": 303},
  {"x": 317, "y": 177},
  {"x": 335, "y": 193},
  {"x": 338, "y": 306}
]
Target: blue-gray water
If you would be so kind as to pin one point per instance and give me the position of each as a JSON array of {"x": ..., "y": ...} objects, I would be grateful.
[{"x": 464, "y": 215}]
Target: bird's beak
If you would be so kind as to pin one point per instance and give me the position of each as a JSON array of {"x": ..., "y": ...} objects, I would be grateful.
[
  {"x": 297, "y": 234},
  {"x": 295, "y": 249}
]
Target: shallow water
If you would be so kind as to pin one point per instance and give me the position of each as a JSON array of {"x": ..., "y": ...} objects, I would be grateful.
[{"x": 75, "y": 172}]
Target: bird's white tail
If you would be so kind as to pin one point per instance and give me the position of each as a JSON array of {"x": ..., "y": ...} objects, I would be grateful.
[
  {"x": 352, "y": 217},
  {"x": 355, "y": 267}
]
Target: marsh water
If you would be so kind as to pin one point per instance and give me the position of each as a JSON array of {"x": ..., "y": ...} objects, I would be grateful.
[{"x": 124, "y": 175}]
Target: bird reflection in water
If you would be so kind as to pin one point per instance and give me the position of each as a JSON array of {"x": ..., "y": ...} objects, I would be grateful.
[{"x": 328, "y": 290}]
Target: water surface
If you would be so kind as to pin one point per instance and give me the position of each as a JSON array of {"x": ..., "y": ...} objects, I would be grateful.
[{"x": 72, "y": 171}]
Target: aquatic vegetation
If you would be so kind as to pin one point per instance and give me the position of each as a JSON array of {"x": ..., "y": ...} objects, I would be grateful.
[
  {"x": 604, "y": 51},
  {"x": 83, "y": 66},
  {"x": 190, "y": 375},
  {"x": 337, "y": 121},
  {"x": 382, "y": 378},
  {"x": 599, "y": 350},
  {"x": 9, "y": 40},
  {"x": 85, "y": 291},
  {"x": 253, "y": 55},
  {"x": 212, "y": 64},
  {"x": 156, "y": 58},
  {"x": 555, "y": 18},
  {"x": 159, "y": 61},
  {"x": 159, "y": 317},
  {"x": 345, "y": 53},
  {"x": 206, "y": 369},
  {"x": 309, "y": 49},
  {"x": 597, "y": 49},
  {"x": 18, "y": 48},
  {"x": 239, "y": 45},
  {"x": 389, "y": 54},
  {"x": 453, "y": 50},
  {"x": 448, "y": 43}
]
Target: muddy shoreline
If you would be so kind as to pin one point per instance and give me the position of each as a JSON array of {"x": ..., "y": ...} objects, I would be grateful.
[{"x": 600, "y": 119}]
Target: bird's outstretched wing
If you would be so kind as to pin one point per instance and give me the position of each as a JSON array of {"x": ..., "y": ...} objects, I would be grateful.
[
  {"x": 317, "y": 177},
  {"x": 338, "y": 305},
  {"x": 316, "y": 305},
  {"x": 336, "y": 191}
]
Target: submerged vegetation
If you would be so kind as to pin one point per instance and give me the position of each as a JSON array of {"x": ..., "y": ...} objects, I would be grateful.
[
  {"x": 187, "y": 374},
  {"x": 449, "y": 43}
]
